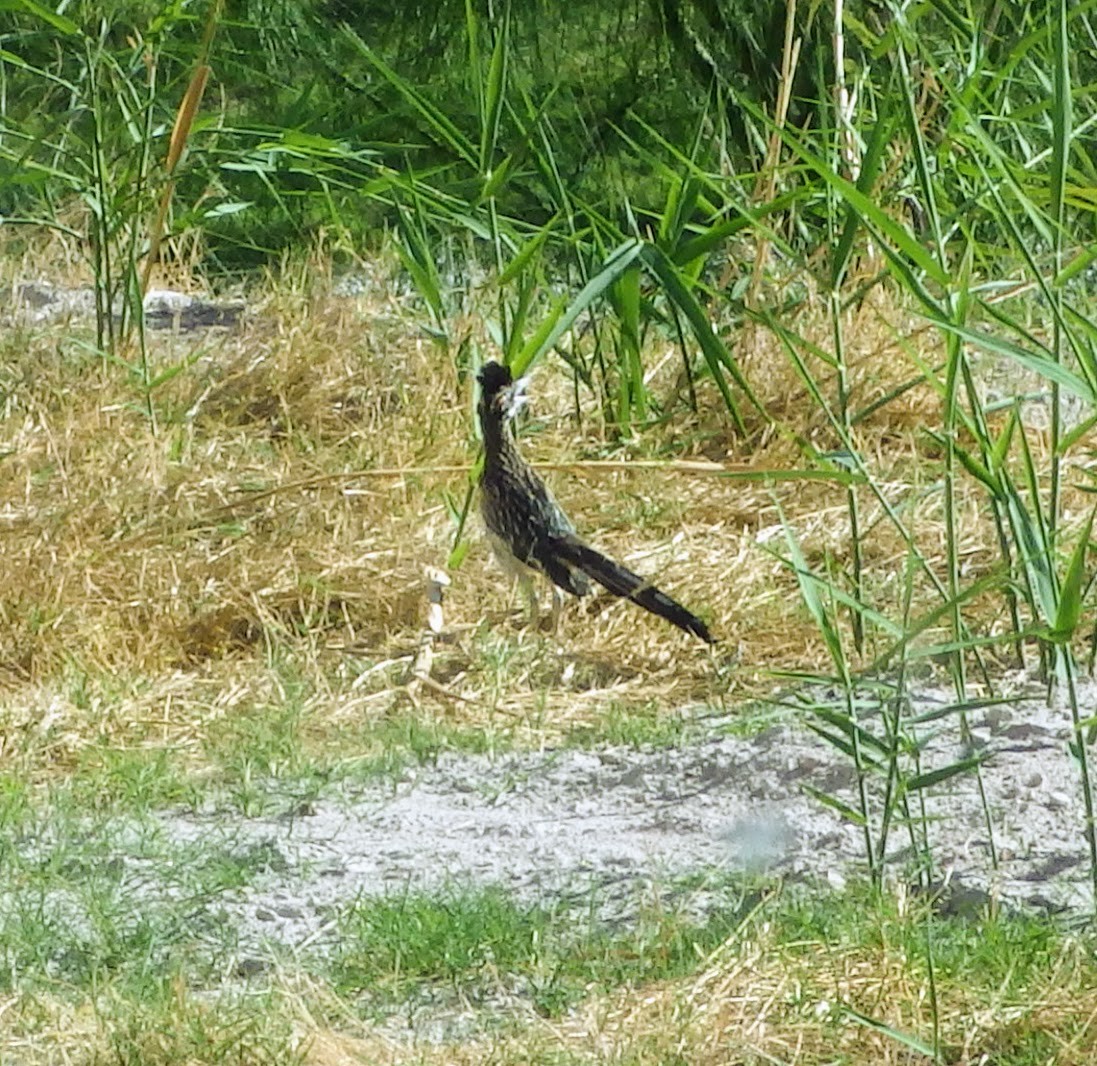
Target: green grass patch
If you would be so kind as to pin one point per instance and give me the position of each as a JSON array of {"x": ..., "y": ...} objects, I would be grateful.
[
  {"x": 469, "y": 941},
  {"x": 1000, "y": 953},
  {"x": 463, "y": 945},
  {"x": 135, "y": 780},
  {"x": 646, "y": 726},
  {"x": 256, "y": 752},
  {"x": 385, "y": 748},
  {"x": 390, "y": 943},
  {"x": 91, "y": 898}
]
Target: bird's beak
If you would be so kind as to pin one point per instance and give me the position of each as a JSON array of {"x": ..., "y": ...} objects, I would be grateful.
[{"x": 514, "y": 398}]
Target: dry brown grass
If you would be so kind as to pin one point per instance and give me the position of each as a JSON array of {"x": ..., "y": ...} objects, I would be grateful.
[
  {"x": 757, "y": 1002},
  {"x": 754, "y": 1001},
  {"x": 296, "y": 490}
]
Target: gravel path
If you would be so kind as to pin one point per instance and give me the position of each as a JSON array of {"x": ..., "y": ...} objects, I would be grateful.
[{"x": 551, "y": 826}]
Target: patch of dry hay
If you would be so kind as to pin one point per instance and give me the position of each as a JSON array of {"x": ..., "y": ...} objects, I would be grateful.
[{"x": 305, "y": 472}]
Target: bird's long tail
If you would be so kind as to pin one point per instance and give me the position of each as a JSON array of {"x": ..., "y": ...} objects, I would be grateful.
[{"x": 623, "y": 582}]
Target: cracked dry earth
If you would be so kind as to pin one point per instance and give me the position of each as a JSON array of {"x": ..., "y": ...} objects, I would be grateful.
[{"x": 569, "y": 826}]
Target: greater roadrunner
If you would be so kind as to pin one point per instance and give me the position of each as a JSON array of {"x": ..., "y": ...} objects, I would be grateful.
[{"x": 529, "y": 531}]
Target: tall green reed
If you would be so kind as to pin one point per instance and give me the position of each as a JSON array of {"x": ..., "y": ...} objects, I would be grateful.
[{"x": 96, "y": 140}]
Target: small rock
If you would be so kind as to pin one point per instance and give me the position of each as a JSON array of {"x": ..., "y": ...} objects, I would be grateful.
[
  {"x": 633, "y": 778},
  {"x": 1033, "y": 780},
  {"x": 1057, "y": 801},
  {"x": 250, "y": 967},
  {"x": 1042, "y": 903},
  {"x": 1025, "y": 731},
  {"x": 583, "y": 763}
]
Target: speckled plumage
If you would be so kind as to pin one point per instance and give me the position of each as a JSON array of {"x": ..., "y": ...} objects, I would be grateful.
[{"x": 530, "y": 532}]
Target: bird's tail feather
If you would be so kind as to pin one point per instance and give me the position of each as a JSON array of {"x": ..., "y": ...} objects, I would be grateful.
[{"x": 623, "y": 582}]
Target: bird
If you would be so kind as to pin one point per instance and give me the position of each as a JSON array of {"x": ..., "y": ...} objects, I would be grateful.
[{"x": 529, "y": 531}]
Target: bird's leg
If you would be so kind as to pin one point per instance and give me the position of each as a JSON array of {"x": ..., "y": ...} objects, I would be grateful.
[
  {"x": 557, "y": 607},
  {"x": 529, "y": 589}
]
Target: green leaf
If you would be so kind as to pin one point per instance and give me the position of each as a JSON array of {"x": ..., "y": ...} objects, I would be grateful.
[
  {"x": 172, "y": 371},
  {"x": 550, "y": 327},
  {"x": 912, "y": 1042},
  {"x": 845, "y": 723},
  {"x": 835, "y": 740},
  {"x": 1061, "y": 116},
  {"x": 835, "y": 804},
  {"x": 718, "y": 358},
  {"x": 717, "y": 236},
  {"x": 54, "y": 18},
  {"x": 975, "y": 468},
  {"x": 19, "y": 61},
  {"x": 457, "y": 556},
  {"x": 526, "y": 252},
  {"x": 955, "y": 17},
  {"x": 233, "y": 207},
  {"x": 626, "y": 291},
  {"x": 494, "y": 94},
  {"x": 943, "y": 773},
  {"x": 895, "y": 240},
  {"x": 870, "y": 165},
  {"x": 809, "y": 592},
  {"x": 1005, "y": 439},
  {"x": 835, "y": 475},
  {"x": 436, "y": 120},
  {"x": 1037, "y": 362},
  {"x": 1069, "y": 610},
  {"x": 557, "y": 324},
  {"x": 1068, "y": 440}
]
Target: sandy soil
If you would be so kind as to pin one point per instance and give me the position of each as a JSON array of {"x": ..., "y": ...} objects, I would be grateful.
[{"x": 565, "y": 827}]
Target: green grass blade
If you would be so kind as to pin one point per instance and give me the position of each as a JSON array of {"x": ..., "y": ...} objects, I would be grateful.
[
  {"x": 438, "y": 123},
  {"x": 718, "y": 358},
  {"x": 1061, "y": 116},
  {"x": 851, "y": 814},
  {"x": 809, "y": 592},
  {"x": 47, "y": 15},
  {"x": 943, "y": 773},
  {"x": 866, "y": 178},
  {"x": 1039, "y": 363},
  {"x": 526, "y": 253},
  {"x": 493, "y": 95},
  {"x": 559, "y": 321},
  {"x": 901, "y": 247},
  {"x": 626, "y": 298},
  {"x": 905, "y": 1039},
  {"x": 1069, "y": 612}
]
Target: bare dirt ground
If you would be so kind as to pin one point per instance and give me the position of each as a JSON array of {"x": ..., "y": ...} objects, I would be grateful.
[{"x": 569, "y": 826}]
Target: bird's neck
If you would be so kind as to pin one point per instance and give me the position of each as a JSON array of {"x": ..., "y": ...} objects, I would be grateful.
[{"x": 498, "y": 439}]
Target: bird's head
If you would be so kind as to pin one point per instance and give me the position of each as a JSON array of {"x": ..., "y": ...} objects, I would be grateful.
[{"x": 499, "y": 392}]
